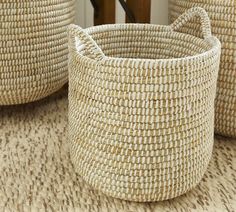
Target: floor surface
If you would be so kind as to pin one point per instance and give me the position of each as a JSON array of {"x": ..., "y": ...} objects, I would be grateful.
[{"x": 37, "y": 174}]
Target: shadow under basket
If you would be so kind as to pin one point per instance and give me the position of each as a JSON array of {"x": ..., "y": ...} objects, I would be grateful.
[{"x": 141, "y": 107}]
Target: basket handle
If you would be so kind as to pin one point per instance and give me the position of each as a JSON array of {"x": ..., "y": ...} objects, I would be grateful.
[
  {"x": 191, "y": 13},
  {"x": 92, "y": 47}
]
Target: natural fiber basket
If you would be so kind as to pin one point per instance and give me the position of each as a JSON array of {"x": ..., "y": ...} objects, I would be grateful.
[
  {"x": 223, "y": 19},
  {"x": 141, "y": 107},
  {"x": 33, "y": 48}
]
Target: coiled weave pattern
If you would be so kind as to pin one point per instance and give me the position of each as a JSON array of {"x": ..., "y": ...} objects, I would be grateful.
[
  {"x": 141, "y": 107},
  {"x": 223, "y": 19},
  {"x": 33, "y": 48}
]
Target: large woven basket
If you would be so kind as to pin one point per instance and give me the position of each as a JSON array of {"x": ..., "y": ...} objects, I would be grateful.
[
  {"x": 34, "y": 48},
  {"x": 223, "y": 19},
  {"x": 141, "y": 107}
]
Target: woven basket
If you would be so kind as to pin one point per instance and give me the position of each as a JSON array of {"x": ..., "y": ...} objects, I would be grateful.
[
  {"x": 33, "y": 48},
  {"x": 141, "y": 107},
  {"x": 223, "y": 18}
]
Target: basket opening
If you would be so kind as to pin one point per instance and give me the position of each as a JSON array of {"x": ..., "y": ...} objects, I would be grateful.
[{"x": 148, "y": 44}]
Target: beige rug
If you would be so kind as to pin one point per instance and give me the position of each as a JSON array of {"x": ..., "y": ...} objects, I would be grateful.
[{"x": 37, "y": 175}]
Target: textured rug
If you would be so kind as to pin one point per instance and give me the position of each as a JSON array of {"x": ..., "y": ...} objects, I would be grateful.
[{"x": 37, "y": 174}]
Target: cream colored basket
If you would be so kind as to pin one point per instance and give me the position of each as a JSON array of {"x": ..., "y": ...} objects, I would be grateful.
[
  {"x": 141, "y": 107},
  {"x": 33, "y": 48},
  {"x": 223, "y": 18}
]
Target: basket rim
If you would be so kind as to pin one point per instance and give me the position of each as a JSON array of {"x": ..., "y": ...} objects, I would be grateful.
[{"x": 144, "y": 62}]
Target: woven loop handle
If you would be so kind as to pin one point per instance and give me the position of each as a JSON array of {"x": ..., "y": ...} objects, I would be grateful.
[
  {"x": 86, "y": 39},
  {"x": 191, "y": 13}
]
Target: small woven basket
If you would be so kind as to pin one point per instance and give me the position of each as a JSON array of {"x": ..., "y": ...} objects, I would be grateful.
[
  {"x": 33, "y": 48},
  {"x": 141, "y": 107},
  {"x": 223, "y": 19}
]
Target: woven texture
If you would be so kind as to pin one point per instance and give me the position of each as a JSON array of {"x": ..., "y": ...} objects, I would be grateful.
[
  {"x": 141, "y": 107},
  {"x": 223, "y": 20},
  {"x": 33, "y": 48},
  {"x": 37, "y": 174}
]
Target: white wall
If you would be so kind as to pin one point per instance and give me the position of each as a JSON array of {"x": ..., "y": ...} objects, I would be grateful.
[
  {"x": 159, "y": 12},
  {"x": 84, "y": 12}
]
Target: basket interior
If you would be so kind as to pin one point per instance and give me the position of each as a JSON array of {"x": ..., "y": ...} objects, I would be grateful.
[{"x": 147, "y": 44}]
